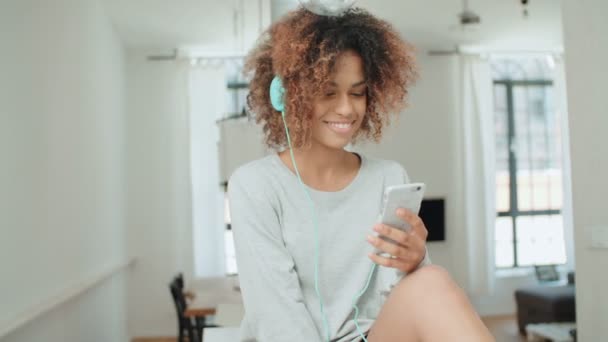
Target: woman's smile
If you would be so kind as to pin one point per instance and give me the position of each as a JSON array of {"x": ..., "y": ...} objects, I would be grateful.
[{"x": 340, "y": 127}]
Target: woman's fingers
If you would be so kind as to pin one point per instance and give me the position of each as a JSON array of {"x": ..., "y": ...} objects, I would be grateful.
[
  {"x": 398, "y": 251},
  {"x": 388, "y": 261},
  {"x": 408, "y": 248},
  {"x": 415, "y": 222},
  {"x": 392, "y": 233}
]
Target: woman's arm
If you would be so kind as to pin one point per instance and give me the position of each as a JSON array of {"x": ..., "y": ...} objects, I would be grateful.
[{"x": 272, "y": 296}]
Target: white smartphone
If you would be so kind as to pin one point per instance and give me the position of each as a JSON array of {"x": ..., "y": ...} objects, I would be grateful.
[{"x": 408, "y": 196}]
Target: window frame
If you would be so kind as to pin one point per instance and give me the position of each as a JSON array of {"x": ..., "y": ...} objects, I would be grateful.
[{"x": 514, "y": 211}]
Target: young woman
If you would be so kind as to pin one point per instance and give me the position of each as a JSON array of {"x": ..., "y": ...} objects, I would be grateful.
[{"x": 304, "y": 232}]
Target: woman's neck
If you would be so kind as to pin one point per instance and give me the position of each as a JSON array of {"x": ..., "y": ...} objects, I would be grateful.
[{"x": 321, "y": 165}]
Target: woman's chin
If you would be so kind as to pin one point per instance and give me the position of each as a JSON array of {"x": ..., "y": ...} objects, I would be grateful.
[
  {"x": 333, "y": 141},
  {"x": 337, "y": 144}
]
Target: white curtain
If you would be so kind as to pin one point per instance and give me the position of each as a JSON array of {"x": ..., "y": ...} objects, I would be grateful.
[
  {"x": 479, "y": 175},
  {"x": 559, "y": 83},
  {"x": 207, "y": 104}
]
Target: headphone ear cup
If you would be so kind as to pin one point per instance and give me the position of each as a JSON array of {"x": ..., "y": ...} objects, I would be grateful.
[{"x": 277, "y": 92}]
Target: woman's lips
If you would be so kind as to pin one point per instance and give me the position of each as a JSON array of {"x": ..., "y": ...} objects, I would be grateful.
[{"x": 340, "y": 127}]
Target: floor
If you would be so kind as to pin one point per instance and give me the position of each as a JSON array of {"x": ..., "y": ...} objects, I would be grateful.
[{"x": 503, "y": 328}]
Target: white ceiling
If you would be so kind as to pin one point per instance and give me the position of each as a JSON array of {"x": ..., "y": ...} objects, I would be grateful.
[{"x": 429, "y": 24}]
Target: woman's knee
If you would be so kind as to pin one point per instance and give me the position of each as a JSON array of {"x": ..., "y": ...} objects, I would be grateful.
[
  {"x": 433, "y": 271},
  {"x": 430, "y": 278}
]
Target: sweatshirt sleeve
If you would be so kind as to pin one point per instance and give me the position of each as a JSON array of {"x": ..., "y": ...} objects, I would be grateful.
[{"x": 270, "y": 287}]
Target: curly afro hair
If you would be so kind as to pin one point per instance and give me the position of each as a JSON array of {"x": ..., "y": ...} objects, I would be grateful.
[{"x": 302, "y": 49}]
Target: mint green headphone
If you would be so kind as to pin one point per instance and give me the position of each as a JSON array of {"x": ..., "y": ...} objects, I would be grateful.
[
  {"x": 277, "y": 92},
  {"x": 277, "y": 95}
]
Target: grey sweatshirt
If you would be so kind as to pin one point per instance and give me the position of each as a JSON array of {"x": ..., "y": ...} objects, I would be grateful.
[{"x": 274, "y": 237}]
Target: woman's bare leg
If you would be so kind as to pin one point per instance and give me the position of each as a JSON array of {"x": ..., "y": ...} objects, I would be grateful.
[{"x": 427, "y": 305}]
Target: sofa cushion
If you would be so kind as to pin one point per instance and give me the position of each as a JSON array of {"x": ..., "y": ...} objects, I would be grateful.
[{"x": 555, "y": 299}]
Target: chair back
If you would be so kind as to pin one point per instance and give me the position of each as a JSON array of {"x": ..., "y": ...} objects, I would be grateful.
[
  {"x": 178, "y": 299},
  {"x": 184, "y": 323},
  {"x": 179, "y": 279}
]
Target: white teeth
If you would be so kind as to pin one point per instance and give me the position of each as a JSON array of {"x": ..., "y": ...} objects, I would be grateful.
[{"x": 340, "y": 125}]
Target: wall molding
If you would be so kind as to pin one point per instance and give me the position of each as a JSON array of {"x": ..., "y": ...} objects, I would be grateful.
[{"x": 62, "y": 297}]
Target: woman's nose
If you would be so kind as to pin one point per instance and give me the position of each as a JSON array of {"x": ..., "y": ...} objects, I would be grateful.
[{"x": 344, "y": 106}]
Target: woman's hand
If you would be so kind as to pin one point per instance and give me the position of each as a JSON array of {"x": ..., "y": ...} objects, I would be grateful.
[{"x": 411, "y": 248}]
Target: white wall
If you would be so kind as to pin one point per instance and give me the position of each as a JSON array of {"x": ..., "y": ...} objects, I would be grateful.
[
  {"x": 62, "y": 174},
  {"x": 97, "y": 315},
  {"x": 585, "y": 29},
  {"x": 159, "y": 221}
]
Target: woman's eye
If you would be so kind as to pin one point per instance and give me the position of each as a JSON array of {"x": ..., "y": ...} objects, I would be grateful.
[{"x": 359, "y": 94}]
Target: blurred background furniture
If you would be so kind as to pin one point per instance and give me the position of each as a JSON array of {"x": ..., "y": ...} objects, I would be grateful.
[
  {"x": 211, "y": 294},
  {"x": 555, "y": 332},
  {"x": 190, "y": 327},
  {"x": 546, "y": 303}
]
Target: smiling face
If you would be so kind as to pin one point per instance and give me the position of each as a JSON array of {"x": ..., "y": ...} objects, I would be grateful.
[{"x": 339, "y": 109}]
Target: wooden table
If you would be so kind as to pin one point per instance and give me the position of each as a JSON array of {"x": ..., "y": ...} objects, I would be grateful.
[{"x": 210, "y": 292}]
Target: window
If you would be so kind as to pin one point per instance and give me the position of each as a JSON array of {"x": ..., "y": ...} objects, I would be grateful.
[{"x": 529, "y": 225}]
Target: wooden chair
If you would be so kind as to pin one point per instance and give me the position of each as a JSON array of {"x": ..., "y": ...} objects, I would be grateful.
[{"x": 192, "y": 328}]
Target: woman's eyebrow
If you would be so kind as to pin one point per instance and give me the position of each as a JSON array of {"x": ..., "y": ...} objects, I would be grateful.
[
  {"x": 334, "y": 84},
  {"x": 358, "y": 84}
]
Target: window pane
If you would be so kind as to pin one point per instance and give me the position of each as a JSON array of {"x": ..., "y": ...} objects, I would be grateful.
[
  {"x": 538, "y": 149},
  {"x": 540, "y": 240},
  {"x": 524, "y": 189},
  {"x": 502, "y": 191},
  {"x": 555, "y": 188},
  {"x": 539, "y": 189},
  {"x": 522, "y": 68},
  {"x": 500, "y": 99},
  {"x": 503, "y": 236},
  {"x": 522, "y": 127}
]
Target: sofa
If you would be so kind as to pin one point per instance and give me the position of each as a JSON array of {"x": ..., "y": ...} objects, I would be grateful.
[{"x": 545, "y": 303}]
